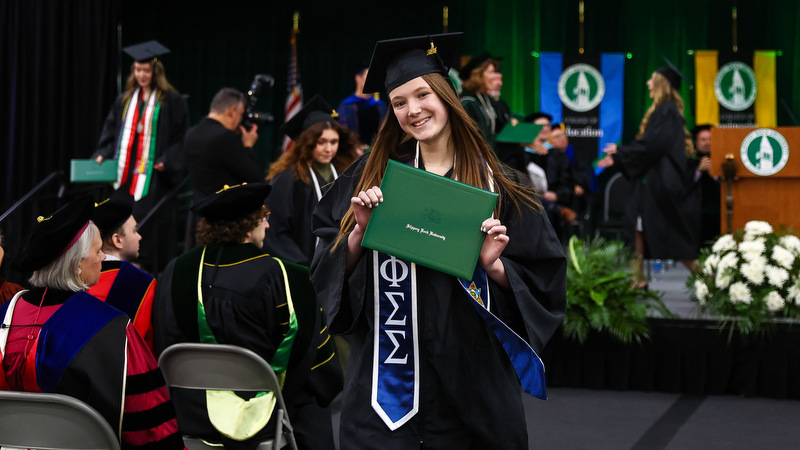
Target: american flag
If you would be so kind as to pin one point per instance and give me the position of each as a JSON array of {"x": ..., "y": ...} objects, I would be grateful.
[{"x": 294, "y": 98}]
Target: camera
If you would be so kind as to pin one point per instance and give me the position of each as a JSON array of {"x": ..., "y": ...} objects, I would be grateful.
[{"x": 251, "y": 116}]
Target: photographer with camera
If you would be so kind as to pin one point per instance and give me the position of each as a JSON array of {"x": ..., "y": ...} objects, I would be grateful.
[{"x": 219, "y": 149}]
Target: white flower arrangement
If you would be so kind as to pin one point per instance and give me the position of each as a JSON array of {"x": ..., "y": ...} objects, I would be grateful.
[{"x": 750, "y": 277}]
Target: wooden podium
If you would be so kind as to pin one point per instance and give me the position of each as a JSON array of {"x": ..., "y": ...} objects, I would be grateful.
[{"x": 772, "y": 198}]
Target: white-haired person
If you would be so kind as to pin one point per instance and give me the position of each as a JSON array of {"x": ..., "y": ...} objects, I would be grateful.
[{"x": 57, "y": 338}]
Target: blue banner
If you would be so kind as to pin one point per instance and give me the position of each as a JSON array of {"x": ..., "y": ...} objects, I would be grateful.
[{"x": 585, "y": 93}]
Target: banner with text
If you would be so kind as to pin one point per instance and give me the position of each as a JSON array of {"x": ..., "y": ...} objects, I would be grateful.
[
  {"x": 585, "y": 93},
  {"x": 735, "y": 89}
]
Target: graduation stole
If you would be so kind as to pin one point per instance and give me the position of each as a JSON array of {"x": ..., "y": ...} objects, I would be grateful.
[
  {"x": 395, "y": 374},
  {"x": 317, "y": 187},
  {"x": 144, "y": 123}
]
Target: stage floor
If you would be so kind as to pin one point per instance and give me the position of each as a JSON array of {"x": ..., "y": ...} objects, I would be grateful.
[
  {"x": 603, "y": 419},
  {"x": 672, "y": 283}
]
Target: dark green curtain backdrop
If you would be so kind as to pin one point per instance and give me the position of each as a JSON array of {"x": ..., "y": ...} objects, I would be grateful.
[
  {"x": 228, "y": 45},
  {"x": 60, "y": 61}
]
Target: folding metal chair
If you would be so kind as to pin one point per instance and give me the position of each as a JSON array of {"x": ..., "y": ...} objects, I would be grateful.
[
  {"x": 52, "y": 421},
  {"x": 229, "y": 368}
]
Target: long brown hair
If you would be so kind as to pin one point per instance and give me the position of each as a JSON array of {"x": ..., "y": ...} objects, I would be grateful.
[
  {"x": 475, "y": 82},
  {"x": 473, "y": 155},
  {"x": 300, "y": 154},
  {"x": 663, "y": 92},
  {"x": 159, "y": 79}
]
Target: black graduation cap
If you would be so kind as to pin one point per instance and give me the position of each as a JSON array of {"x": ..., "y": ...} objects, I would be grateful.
[
  {"x": 671, "y": 72},
  {"x": 146, "y": 51},
  {"x": 476, "y": 61},
  {"x": 113, "y": 212},
  {"x": 396, "y": 61},
  {"x": 52, "y": 236},
  {"x": 233, "y": 202},
  {"x": 537, "y": 115},
  {"x": 315, "y": 111},
  {"x": 698, "y": 128}
]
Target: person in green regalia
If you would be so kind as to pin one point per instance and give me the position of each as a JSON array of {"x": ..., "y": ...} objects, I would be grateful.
[{"x": 229, "y": 291}]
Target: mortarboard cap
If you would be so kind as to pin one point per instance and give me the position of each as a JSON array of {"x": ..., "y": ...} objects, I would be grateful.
[
  {"x": 476, "y": 61},
  {"x": 700, "y": 127},
  {"x": 113, "y": 212},
  {"x": 233, "y": 202},
  {"x": 672, "y": 74},
  {"x": 146, "y": 51},
  {"x": 52, "y": 236},
  {"x": 537, "y": 115},
  {"x": 397, "y": 61},
  {"x": 315, "y": 111}
]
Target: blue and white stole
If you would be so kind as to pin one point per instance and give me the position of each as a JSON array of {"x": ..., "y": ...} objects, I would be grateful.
[{"x": 395, "y": 372}]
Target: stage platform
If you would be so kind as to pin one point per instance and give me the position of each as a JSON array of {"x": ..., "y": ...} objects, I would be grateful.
[
  {"x": 689, "y": 354},
  {"x": 686, "y": 389}
]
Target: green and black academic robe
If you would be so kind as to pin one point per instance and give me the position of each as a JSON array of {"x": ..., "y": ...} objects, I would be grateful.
[{"x": 245, "y": 303}]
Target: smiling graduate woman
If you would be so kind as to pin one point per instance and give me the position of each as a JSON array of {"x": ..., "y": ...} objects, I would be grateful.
[{"x": 449, "y": 383}]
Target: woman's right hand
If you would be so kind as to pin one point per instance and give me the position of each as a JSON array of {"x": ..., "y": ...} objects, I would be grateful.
[
  {"x": 363, "y": 204},
  {"x": 362, "y": 210},
  {"x": 99, "y": 159}
]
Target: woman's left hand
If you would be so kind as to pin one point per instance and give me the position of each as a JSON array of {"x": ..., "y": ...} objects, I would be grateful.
[{"x": 493, "y": 245}]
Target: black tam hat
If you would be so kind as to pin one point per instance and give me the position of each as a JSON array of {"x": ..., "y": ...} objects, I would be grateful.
[
  {"x": 475, "y": 62},
  {"x": 112, "y": 213},
  {"x": 233, "y": 202},
  {"x": 146, "y": 51},
  {"x": 52, "y": 236},
  {"x": 397, "y": 61},
  {"x": 315, "y": 111},
  {"x": 671, "y": 73},
  {"x": 537, "y": 115}
]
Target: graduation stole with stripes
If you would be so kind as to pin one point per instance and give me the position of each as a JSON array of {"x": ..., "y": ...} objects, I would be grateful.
[
  {"x": 144, "y": 123},
  {"x": 395, "y": 373}
]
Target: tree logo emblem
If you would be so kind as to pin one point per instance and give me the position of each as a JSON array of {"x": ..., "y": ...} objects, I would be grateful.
[
  {"x": 735, "y": 86},
  {"x": 764, "y": 152},
  {"x": 581, "y": 87}
]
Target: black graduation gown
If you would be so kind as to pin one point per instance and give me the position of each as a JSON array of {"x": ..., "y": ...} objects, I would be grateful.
[
  {"x": 657, "y": 166},
  {"x": 247, "y": 307},
  {"x": 469, "y": 393},
  {"x": 560, "y": 176},
  {"x": 173, "y": 121},
  {"x": 292, "y": 202}
]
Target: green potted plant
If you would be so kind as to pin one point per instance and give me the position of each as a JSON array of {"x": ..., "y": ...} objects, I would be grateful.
[
  {"x": 750, "y": 278},
  {"x": 602, "y": 295}
]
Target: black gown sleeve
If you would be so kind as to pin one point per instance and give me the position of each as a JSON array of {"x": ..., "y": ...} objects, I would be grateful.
[
  {"x": 174, "y": 124},
  {"x": 289, "y": 229},
  {"x": 535, "y": 302},
  {"x": 663, "y": 128},
  {"x": 341, "y": 298},
  {"x": 107, "y": 144}
]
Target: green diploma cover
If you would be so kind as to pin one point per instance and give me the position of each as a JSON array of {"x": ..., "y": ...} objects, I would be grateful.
[
  {"x": 88, "y": 171},
  {"x": 430, "y": 220}
]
